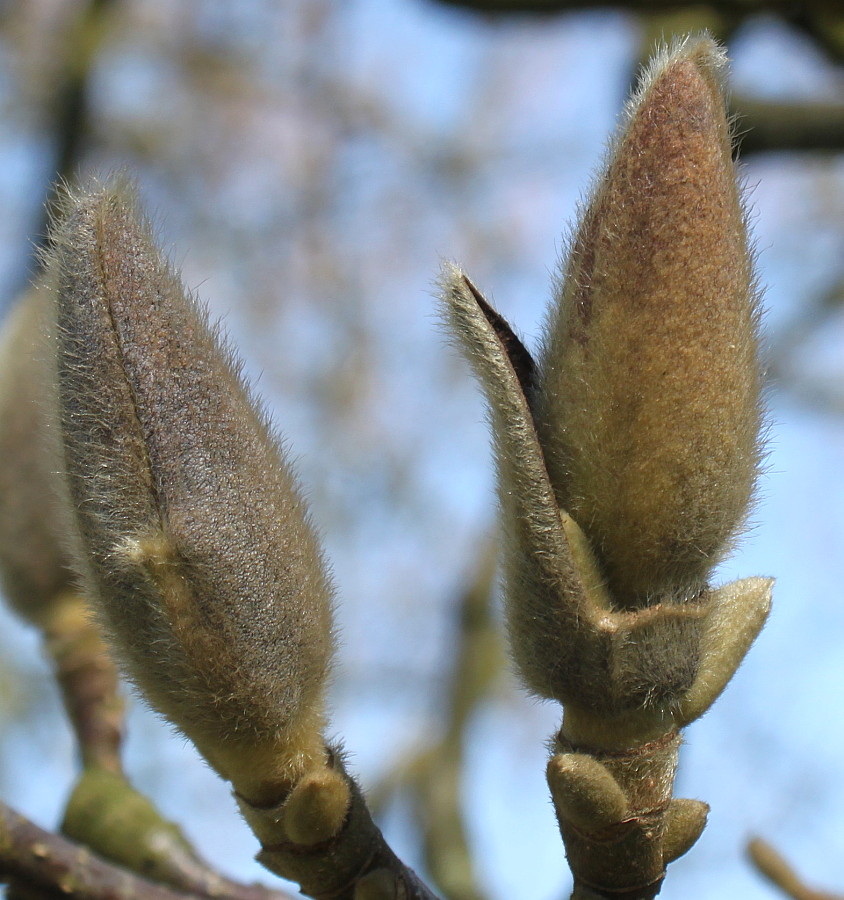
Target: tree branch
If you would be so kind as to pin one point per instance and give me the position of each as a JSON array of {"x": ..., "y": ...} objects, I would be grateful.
[
  {"x": 52, "y": 865},
  {"x": 432, "y": 777},
  {"x": 819, "y": 20},
  {"x": 772, "y": 126},
  {"x": 69, "y": 109},
  {"x": 784, "y": 8},
  {"x": 108, "y": 815}
]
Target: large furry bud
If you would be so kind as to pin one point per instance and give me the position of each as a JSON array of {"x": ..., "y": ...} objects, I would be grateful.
[
  {"x": 191, "y": 533},
  {"x": 627, "y": 456},
  {"x": 648, "y": 401}
]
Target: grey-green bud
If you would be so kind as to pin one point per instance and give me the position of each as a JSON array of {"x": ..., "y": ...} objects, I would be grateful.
[{"x": 192, "y": 535}]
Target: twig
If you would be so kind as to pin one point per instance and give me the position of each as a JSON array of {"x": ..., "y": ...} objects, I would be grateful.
[
  {"x": 70, "y": 110},
  {"x": 53, "y": 865},
  {"x": 819, "y": 20},
  {"x": 108, "y": 815},
  {"x": 478, "y": 656},
  {"x": 769, "y": 863},
  {"x": 87, "y": 678},
  {"x": 785, "y": 370}
]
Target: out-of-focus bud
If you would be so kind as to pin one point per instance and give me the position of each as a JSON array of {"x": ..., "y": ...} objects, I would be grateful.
[
  {"x": 33, "y": 568},
  {"x": 191, "y": 534},
  {"x": 36, "y": 571},
  {"x": 648, "y": 389}
]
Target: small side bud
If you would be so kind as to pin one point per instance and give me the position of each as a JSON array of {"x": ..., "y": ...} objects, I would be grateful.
[
  {"x": 684, "y": 824},
  {"x": 585, "y": 792},
  {"x": 191, "y": 533},
  {"x": 737, "y": 613},
  {"x": 316, "y": 808},
  {"x": 648, "y": 387}
]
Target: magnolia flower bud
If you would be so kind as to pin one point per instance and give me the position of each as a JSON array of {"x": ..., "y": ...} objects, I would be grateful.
[
  {"x": 648, "y": 389},
  {"x": 192, "y": 535},
  {"x": 627, "y": 456},
  {"x": 626, "y": 462}
]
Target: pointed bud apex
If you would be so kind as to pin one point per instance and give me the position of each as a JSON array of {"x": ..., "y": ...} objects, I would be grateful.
[
  {"x": 193, "y": 536},
  {"x": 648, "y": 401}
]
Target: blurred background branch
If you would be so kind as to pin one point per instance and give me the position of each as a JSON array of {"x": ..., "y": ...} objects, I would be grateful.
[
  {"x": 433, "y": 777},
  {"x": 821, "y": 20},
  {"x": 48, "y": 865},
  {"x": 69, "y": 108},
  {"x": 772, "y": 865}
]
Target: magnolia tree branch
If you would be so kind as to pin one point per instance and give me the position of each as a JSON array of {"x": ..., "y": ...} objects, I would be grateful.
[
  {"x": 47, "y": 863},
  {"x": 350, "y": 862},
  {"x": 611, "y": 525},
  {"x": 627, "y": 455},
  {"x": 106, "y": 814}
]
